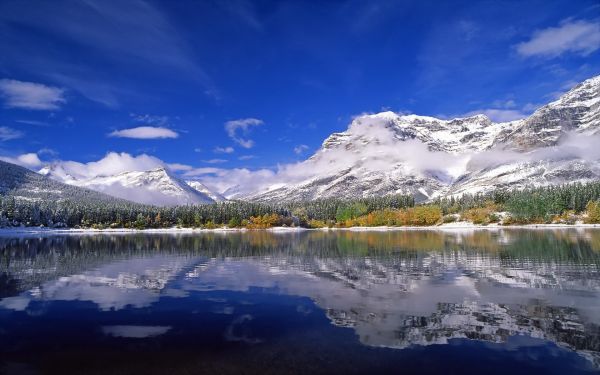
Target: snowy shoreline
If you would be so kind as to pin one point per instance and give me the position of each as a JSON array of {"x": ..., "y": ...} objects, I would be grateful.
[{"x": 459, "y": 226}]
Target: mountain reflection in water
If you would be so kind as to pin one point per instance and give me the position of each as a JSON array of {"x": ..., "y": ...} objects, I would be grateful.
[{"x": 226, "y": 293}]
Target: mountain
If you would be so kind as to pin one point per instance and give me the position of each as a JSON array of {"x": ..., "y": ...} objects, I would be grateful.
[
  {"x": 556, "y": 144},
  {"x": 199, "y": 186},
  {"x": 24, "y": 184},
  {"x": 388, "y": 153},
  {"x": 157, "y": 186}
]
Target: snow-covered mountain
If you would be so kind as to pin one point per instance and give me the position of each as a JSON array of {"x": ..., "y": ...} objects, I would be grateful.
[
  {"x": 199, "y": 186},
  {"x": 157, "y": 186},
  {"x": 389, "y": 153},
  {"x": 23, "y": 184}
]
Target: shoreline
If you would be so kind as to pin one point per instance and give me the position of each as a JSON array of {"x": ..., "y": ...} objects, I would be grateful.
[{"x": 459, "y": 226}]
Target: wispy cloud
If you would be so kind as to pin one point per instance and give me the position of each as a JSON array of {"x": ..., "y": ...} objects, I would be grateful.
[
  {"x": 509, "y": 103},
  {"x": 243, "y": 10},
  {"x": 179, "y": 167},
  {"x": 203, "y": 171},
  {"x": 30, "y": 95},
  {"x": 148, "y": 119},
  {"x": 104, "y": 31},
  {"x": 215, "y": 161},
  {"x": 576, "y": 36},
  {"x": 242, "y": 125},
  {"x": 47, "y": 151},
  {"x": 145, "y": 132},
  {"x": 87, "y": 82},
  {"x": 247, "y": 157},
  {"x": 33, "y": 122},
  {"x": 6, "y": 133},
  {"x": 300, "y": 149},
  {"x": 223, "y": 150}
]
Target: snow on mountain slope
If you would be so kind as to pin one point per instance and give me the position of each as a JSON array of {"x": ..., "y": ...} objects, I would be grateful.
[
  {"x": 557, "y": 144},
  {"x": 388, "y": 153},
  {"x": 577, "y": 110},
  {"x": 519, "y": 175},
  {"x": 157, "y": 186},
  {"x": 199, "y": 186},
  {"x": 24, "y": 184}
]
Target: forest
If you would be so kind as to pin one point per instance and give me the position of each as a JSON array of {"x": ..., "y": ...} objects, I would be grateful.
[{"x": 569, "y": 203}]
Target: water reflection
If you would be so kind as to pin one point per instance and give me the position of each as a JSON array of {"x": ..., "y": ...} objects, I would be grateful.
[{"x": 393, "y": 289}]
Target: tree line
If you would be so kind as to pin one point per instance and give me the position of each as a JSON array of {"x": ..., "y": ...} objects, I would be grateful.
[{"x": 531, "y": 205}]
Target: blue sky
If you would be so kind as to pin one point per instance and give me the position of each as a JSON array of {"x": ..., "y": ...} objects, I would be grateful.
[{"x": 242, "y": 84}]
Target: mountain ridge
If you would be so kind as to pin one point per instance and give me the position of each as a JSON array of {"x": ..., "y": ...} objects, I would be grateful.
[
  {"x": 449, "y": 157},
  {"x": 22, "y": 183},
  {"x": 155, "y": 186},
  {"x": 389, "y": 153}
]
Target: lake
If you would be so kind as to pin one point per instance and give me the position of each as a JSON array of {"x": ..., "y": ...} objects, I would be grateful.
[{"x": 508, "y": 301}]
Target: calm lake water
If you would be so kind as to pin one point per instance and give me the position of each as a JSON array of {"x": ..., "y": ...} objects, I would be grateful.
[{"x": 427, "y": 302}]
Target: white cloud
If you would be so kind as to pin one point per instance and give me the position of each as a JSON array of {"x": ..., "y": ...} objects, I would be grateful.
[
  {"x": 30, "y": 95},
  {"x": 47, "y": 151},
  {"x": 215, "y": 161},
  {"x": 243, "y": 125},
  {"x": 145, "y": 132},
  {"x": 33, "y": 122},
  {"x": 299, "y": 150},
  {"x": 179, "y": 167},
  {"x": 576, "y": 36},
  {"x": 504, "y": 103},
  {"x": 242, "y": 179},
  {"x": 247, "y": 157},
  {"x": 223, "y": 150},
  {"x": 571, "y": 145},
  {"x": 112, "y": 163},
  {"x": 203, "y": 171},
  {"x": 6, "y": 133},
  {"x": 30, "y": 160},
  {"x": 136, "y": 332}
]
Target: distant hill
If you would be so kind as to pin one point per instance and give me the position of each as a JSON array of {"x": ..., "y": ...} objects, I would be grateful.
[
  {"x": 158, "y": 186},
  {"x": 22, "y": 183}
]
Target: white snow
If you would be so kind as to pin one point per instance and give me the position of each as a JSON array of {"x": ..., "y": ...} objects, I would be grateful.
[{"x": 157, "y": 186}]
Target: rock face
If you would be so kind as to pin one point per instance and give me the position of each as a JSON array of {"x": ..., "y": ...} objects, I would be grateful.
[
  {"x": 577, "y": 110},
  {"x": 388, "y": 153},
  {"x": 157, "y": 186}
]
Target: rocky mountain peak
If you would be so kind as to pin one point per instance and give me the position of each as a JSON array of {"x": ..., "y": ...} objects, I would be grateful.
[{"x": 387, "y": 153}]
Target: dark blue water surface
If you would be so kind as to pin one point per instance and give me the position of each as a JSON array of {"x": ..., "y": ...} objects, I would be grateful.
[{"x": 405, "y": 302}]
